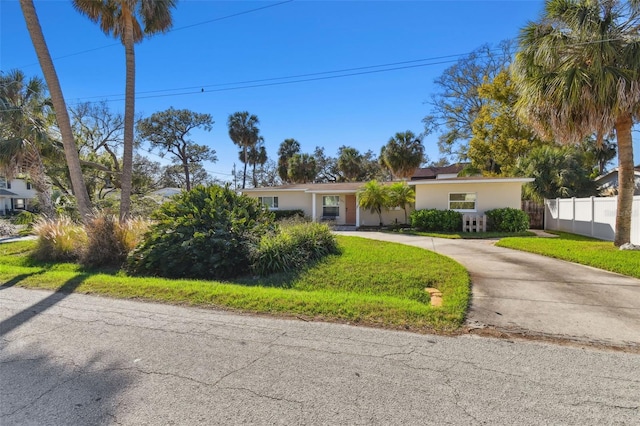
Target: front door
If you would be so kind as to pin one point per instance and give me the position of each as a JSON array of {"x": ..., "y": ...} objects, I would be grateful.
[{"x": 350, "y": 204}]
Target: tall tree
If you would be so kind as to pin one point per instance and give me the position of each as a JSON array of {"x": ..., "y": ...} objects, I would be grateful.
[
  {"x": 350, "y": 163},
  {"x": 558, "y": 172},
  {"x": 374, "y": 196},
  {"x": 256, "y": 156},
  {"x": 403, "y": 154},
  {"x": 578, "y": 73},
  {"x": 499, "y": 136},
  {"x": 288, "y": 148},
  {"x": 326, "y": 166},
  {"x": 60, "y": 107},
  {"x": 122, "y": 19},
  {"x": 302, "y": 168},
  {"x": 455, "y": 106},
  {"x": 244, "y": 132},
  {"x": 168, "y": 132},
  {"x": 25, "y": 113}
]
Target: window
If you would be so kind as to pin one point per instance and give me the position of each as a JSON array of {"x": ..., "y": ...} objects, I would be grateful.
[
  {"x": 28, "y": 185},
  {"x": 462, "y": 201},
  {"x": 270, "y": 202},
  {"x": 4, "y": 184},
  {"x": 330, "y": 206},
  {"x": 19, "y": 203}
]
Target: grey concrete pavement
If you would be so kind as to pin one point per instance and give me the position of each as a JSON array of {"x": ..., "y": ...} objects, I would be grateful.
[
  {"x": 523, "y": 292},
  {"x": 72, "y": 359}
]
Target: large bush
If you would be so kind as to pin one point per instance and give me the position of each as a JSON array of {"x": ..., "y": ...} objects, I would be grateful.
[
  {"x": 109, "y": 241},
  {"x": 208, "y": 232},
  {"x": 59, "y": 239},
  {"x": 436, "y": 220},
  {"x": 507, "y": 220},
  {"x": 293, "y": 247},
  {"x": 288, "y": 214}
]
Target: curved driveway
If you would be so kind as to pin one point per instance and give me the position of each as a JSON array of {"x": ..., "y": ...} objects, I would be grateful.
[{"x": 532, "y": 294}]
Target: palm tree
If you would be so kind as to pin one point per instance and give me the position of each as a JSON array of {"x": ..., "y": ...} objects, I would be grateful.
[
  {"x": 25, "y": 113},
  {"x": 403, "y": 154},
  {"x": 401, "y": 195},
  {"x": 578, "y": 73},
  {"x": 302, "y": 168},
  {"x": 119, "y": 18},
  {"x": 288, "y": 148},
  {"x": 244, "y": 132},
  {"x": 375, "y": 197},
  {"x": 60, "y": 107},
  {"x": 349, "y": 162},
  {"x": 257, "y": 155}
]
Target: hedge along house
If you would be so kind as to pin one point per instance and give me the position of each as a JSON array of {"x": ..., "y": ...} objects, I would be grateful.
[{"x": 335, "y": 202}]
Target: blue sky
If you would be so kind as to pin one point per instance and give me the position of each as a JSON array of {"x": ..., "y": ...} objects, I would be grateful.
[{"x": 288, "y": 39}]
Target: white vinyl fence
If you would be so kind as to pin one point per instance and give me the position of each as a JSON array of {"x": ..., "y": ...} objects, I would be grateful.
[{"x": 594, "y": 217}]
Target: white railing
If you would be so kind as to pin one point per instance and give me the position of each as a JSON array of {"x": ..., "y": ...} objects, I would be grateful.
[{"x": 594, "y": 216}]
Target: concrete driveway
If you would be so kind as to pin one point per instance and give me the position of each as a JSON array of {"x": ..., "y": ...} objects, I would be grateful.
[{"x": 526, "y": 293}]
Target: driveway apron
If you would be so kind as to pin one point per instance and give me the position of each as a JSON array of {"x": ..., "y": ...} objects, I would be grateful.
[{"x": 527, "y": 293}]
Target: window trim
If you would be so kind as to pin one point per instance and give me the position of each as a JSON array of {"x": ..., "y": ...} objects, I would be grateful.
[
  {"x": 274, "y": 201},
  {"x": 475, "y": 202}
]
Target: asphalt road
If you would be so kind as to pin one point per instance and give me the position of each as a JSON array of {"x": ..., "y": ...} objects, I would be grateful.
[
  {"x": 531, "y": 294},
  {"x": 72, "y": 359}
]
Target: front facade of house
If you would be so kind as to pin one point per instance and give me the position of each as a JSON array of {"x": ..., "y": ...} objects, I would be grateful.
[
  {"x": 338, "y": 202},
  {"x": 15, "y": 195},
  {"x": 335, "y": 202},
  {"x": 608, "y": 183}
]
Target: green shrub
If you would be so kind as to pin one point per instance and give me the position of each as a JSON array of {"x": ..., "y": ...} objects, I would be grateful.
[
  {"x": 288, "y": 214},
  {"x": 208, "y": 232},
  {"x": 507, "y": 220},
  {"x": 59, "y": 239},
  {"x": 293, "y": 247},
  {"x": 109, "y": 241},
  {"x": 436, "y": 220},
  {"x": 24, "y": 218}
]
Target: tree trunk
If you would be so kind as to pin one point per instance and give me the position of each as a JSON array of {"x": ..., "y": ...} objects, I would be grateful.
[
  {"x": 62, "y": 115},
  {"x": 129, "y": 115},
  {"x": 625, "y": 179},
  {"x": 244, "y": 175},
  {"x": 187, "y": 177}
]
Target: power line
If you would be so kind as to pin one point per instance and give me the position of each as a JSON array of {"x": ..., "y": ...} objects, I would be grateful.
[{"x": 233, "y": 15}]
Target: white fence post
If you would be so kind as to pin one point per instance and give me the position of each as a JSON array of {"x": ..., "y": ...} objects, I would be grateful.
[
  {"x": 573, "y": 215},
  {"x": 593, "y": 215},
  {"x": 558, "y": 217}
]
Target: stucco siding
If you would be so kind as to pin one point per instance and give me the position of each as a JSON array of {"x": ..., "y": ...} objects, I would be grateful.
[
  {"x": 389, "y": 217},
  {"x": 489, "y": 195}
]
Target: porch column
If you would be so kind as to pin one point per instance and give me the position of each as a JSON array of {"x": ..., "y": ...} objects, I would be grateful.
[
  {"x": 313, "y": 208},
  {"x": 357, "y": 212}
]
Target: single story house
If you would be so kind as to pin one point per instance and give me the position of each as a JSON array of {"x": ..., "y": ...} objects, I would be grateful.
[
  {"x": 339, "y": 201},
  {"x": 15, "y": 194},
  {"x": 608, "y": 183}
]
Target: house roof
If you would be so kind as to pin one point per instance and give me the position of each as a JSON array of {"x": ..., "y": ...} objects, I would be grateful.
[
  {"x": 433, "y": 172},
  {"x": 470, "y": 179},
  {"x": 636, "y": 171},
  {"x": 345, "y": 187},
  {"x": 5, "y": 193}
]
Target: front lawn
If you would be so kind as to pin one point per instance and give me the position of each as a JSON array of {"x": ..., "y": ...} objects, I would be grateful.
[
  {"x": 584, "y": 250},
  {"x": 370, "y": 282}
]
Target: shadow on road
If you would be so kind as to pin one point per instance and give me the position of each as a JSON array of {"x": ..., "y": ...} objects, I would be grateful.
[
  {"x": 27, "y": 314},
  {"x": 46, "y": 389}
]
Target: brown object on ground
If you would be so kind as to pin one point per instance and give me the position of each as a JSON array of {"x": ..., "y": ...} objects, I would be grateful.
[{"x": 436, "y": 296}]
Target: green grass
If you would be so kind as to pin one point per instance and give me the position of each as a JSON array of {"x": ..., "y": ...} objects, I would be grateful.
[
  {"x": 584, "y": 250},
  {"x": 466, "y": 235},
  {"x": 370, "y": 282}
]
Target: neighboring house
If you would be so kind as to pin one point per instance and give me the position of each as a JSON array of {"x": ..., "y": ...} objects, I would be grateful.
[
  {"x": 608, "y": 183},
  {"x": 15, "y": 195},
  {"x": 443, "y": 172},
  {"x": 338, "y": 201}
]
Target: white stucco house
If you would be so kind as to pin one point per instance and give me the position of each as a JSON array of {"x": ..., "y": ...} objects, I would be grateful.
[
  {"x": 338, "y": 201},
  {"x": 15, "y": 195}
]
